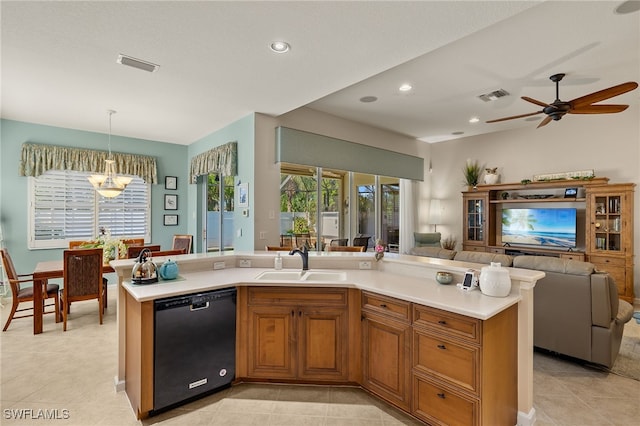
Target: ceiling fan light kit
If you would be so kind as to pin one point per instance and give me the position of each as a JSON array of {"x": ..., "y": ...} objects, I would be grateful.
[{"x": 582, "y": 105}]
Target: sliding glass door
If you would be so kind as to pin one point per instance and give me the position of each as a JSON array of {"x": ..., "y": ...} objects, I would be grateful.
[{"x": 219, "y": 213}]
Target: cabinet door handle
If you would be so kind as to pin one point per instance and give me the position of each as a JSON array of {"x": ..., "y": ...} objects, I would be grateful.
[
  {"x": 442, "y": 322},
  {"x": 441, "y": 395},
  {"x": 441, "y": 346},
  {"x": 292, "y": 313},
  {"x": 382, "y": 305}
]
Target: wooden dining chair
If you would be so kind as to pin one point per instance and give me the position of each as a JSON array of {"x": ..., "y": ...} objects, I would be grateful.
[
  {"x": 339, "y": 242},
  {"x": 168, "y": 252},
  {"x": 82, "y": 280},
  {"x": 133, "y": 241},
  {"x": 182, "y": 241},
  {"x": 134, "y": 251},
  {"x": 81, "y": 244},
  {"x": 346, "y": 248},
  {"x": 277, "y": 248},
  {"x": 22, "y": 294}
]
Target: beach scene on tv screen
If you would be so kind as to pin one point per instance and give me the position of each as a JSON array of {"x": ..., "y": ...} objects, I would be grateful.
[{"x": 539, "y": 227}]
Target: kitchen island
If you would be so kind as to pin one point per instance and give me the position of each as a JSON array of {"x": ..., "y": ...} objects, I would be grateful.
[{"x": 396, "y": 301}]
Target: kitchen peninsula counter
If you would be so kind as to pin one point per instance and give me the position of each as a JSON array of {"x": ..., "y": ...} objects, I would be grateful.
[{"x": 406, "y": 278}]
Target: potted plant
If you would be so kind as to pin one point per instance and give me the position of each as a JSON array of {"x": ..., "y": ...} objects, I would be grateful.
[{"x": 472, "y": 172}]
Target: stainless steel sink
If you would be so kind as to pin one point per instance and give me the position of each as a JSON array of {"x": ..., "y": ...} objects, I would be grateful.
[{"x": 299, "y": 276}]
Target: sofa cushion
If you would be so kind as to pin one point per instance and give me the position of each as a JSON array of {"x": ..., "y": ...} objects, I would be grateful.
[
  {"x": 554, "y": 264},
  {"x": 427, "y": 239},
  {"x": 438, "y": 252},
  {"x": 483, "y": 257}
]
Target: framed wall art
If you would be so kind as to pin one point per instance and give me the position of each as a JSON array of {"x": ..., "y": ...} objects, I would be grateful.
[
  {"x": 170, "y": 202},
  {"x": 170, "y": 182},
  {"x": 170, "y": 219},
  {"x": 243, "y": 195}
]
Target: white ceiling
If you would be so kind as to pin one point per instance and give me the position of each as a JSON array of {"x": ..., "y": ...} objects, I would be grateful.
[{"x": 59, "y": 62}]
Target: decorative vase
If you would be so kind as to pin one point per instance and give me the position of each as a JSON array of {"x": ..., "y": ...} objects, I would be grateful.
[
  {"x": 379, "y": 255},
  {"x": 495, "y": 280},
  {"x": 491, "y": 178}
]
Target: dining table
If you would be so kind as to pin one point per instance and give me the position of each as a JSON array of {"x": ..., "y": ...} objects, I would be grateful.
[{"x": 43, "y": 272}]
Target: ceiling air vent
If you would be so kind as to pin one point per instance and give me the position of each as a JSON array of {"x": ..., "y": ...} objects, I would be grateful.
[
  {"x": 488, "y": 97},
  {"x": 137, "y": 63}
]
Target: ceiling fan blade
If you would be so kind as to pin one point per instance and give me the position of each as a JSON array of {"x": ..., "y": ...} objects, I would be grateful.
[
  {"x": 601, "y": 95},
  {"x": 514, "y": 116},
  {"x": 535, "y": 101},
  {"x": 545, "y": 121},
  {"x": 598, "y": 109}
]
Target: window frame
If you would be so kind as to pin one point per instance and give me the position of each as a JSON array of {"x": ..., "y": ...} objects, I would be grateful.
[{"x": 65, "y": 178}]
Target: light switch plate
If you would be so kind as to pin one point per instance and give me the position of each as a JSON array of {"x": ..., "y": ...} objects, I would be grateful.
[
  {"x": 244, "y": 263},
  {"x": 218, "y": 265}
]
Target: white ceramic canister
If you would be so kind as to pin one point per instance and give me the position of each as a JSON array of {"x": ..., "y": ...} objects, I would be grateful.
[{"x": 495, "y": 280}]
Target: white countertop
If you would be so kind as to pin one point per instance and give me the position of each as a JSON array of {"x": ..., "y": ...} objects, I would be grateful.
[{"x": 403, "y": 277}]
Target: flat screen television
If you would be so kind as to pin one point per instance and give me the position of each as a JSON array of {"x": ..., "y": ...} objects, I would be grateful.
[{"x": 548, "y": 227}]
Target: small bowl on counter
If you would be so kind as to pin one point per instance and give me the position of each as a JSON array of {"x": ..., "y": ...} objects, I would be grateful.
[{"x": 444, "y": 277}]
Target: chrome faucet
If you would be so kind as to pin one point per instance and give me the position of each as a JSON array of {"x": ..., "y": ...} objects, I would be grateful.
[{"x": 304, "y": 253}]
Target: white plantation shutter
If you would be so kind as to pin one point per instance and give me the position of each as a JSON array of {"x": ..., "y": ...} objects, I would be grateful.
[{"x": 65, "y": 207}]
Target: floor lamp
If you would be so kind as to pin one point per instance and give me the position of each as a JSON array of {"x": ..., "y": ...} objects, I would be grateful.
[{"x": 435, "y": 214}]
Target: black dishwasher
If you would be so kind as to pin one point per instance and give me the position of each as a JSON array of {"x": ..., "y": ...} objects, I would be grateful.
[{"x": 194, "y": 346}]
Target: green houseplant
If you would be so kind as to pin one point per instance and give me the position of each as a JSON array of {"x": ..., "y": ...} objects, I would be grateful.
[{"x": 471, "y": 171}]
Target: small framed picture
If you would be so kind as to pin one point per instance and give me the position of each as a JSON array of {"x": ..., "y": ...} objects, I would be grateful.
[
  {"x": 243, "y": 195},
  {"x": 170, "y": 182},
  {"x": 170, "y": 219},
  {"x": 170, "y": 202}
]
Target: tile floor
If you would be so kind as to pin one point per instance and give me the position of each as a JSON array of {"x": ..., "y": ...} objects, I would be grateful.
[{"x": 70, "y": 376}]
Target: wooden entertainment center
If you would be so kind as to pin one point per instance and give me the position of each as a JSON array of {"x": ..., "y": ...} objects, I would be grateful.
[{"x": 604, "y": 222}]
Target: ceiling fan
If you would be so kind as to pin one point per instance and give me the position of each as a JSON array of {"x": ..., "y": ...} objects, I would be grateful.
[{"x": 582, "y": 105}]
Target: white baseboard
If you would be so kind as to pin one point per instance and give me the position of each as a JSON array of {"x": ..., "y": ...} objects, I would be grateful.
[
  {"x": 119, "y": 384},
  {"x": 527, "y": 419}
]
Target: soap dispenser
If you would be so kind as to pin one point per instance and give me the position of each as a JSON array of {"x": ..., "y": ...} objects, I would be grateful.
[{"x": 277, "y": 262}]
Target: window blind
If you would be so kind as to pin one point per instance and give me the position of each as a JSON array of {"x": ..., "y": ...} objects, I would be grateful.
[{"x": 65, "y": 207}]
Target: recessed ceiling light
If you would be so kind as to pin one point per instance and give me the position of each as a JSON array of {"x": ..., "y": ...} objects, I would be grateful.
[
  {"x": 405, "y": 87},
  {"x": 137, "y": 63},
  {"x": 367, "y": 99},
  {"x": 280, "y": 46},
  {"x": 474, "y": 120}
]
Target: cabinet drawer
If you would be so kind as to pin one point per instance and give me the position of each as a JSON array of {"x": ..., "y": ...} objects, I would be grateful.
[
  {"x": 452, "y": 362},
  {"x": 473, "y": 248},
  {"x": 283, "y": 296},
  {"x": 387, "y": 306},
  {"x": 447, "y": 323},
  {"x": 606, "y": 260},
  {"x": 439, "y": 405},
  {"x": 572, "y": 256},
  {"x": 495, "y": 250}
]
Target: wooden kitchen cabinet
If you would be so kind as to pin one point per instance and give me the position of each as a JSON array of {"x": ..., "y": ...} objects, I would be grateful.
[
  {"x": 297, "y": 334},
  {"x": 464, "y": 369},
  {"x": 386, "y": 345}
]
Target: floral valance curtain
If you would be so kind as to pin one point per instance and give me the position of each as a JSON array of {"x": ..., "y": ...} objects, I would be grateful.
[
  {"x": 223, "y": 159},
  {"x": 37, "y": 159}
]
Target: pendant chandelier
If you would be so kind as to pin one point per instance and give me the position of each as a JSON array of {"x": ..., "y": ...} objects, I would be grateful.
[{"x": 109, "y": 184}]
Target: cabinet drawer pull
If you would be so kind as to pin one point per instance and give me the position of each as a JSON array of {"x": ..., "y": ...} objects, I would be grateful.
[
  {"x": 292, "y": 313},
  {"x": 441, "y": 346},
  {"x": 382, "y": 305},
  {"x": 442, "y": 322},
  {"x": 441, "y": 395}
]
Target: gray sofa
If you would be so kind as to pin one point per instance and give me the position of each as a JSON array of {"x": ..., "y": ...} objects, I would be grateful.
[{"x": 576, "y": 310}]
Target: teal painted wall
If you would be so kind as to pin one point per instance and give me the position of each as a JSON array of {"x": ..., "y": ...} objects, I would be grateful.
[
  {"x": 171, "y": 158},
  {"x": 241, "y": 131}
]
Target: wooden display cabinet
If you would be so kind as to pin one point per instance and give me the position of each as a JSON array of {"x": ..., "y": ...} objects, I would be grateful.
[
  {"x": 608, "y": 227},
  {"x": 477, "y": 221},
  {"x": 609, "y": 236}
]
